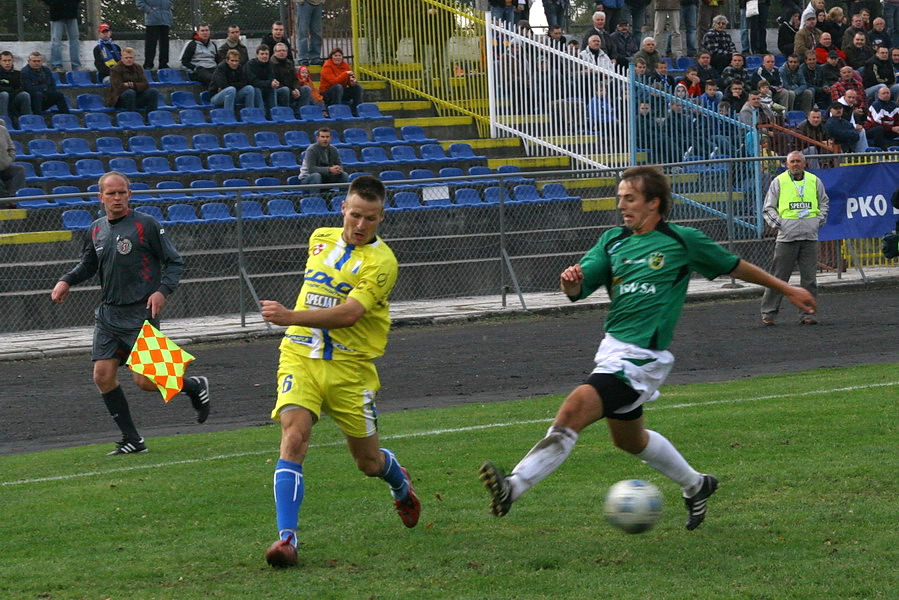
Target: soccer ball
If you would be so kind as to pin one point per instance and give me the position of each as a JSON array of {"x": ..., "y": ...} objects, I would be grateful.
[{"x": 633, "y": 505}]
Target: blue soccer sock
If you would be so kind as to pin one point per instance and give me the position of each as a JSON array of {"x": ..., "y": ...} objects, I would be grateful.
[
  {"x": 288, "y": 497},
  {"x": 394, "y": 476}
]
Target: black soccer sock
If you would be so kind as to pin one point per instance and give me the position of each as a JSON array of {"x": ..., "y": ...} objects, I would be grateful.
[
  {"x": 117, "y": 406},
  {"x": 191, "y": 386}
]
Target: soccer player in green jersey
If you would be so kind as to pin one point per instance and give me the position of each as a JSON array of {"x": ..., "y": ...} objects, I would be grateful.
[
  {"x": 337, "y": 328},
  {"x": 645, "y": 266}
]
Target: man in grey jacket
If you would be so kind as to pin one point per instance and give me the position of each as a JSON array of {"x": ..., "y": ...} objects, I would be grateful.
[
  {"x": 322, "y": 162},
  {"x": 12, "y": 176},
  {"x": 795, "y": 206},
  {"x": 158, "y": 22}
]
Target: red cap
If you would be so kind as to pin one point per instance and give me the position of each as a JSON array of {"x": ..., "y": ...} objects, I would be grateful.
[{"x": 103, "y": 27}]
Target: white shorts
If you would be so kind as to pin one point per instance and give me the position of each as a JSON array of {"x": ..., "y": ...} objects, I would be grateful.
[{"x": 642, "y": 369}]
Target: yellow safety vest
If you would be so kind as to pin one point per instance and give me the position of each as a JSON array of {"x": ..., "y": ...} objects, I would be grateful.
[{"x": 798, "y": 199}]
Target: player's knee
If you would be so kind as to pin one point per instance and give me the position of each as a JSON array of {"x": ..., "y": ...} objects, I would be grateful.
[{"x": 369, "y": 465}]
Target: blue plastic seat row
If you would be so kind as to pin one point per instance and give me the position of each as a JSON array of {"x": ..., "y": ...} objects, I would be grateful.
[
  {"x": 430, "y": 153},
  {"x": 520, "y": 194}
]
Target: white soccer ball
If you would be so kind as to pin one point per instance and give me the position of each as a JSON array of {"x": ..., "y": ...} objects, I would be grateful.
[{"x": 633, "y": 505}]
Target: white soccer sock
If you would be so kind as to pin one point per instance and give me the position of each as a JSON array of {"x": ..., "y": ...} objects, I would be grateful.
[
  {"x": 544, "y": 458},
  {"x": 661, "y": 455}
]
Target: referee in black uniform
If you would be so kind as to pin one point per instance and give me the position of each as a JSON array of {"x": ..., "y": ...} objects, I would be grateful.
[{"x": 139, "y": 267}]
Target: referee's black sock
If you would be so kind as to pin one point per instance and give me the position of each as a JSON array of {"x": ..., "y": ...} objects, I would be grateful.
[
  {"x": 191, "y": 386},
  {"x": 117, "y": 406}
]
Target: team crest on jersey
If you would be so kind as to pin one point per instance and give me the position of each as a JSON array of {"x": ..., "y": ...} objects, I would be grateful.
[
  {"x": 656, "y": 261},
  {"x": 318, "y": 249},
  {"x": 123, "y": 246}
]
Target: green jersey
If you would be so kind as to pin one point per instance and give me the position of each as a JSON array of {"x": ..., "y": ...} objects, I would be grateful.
[{"x": 647, "y": 275}]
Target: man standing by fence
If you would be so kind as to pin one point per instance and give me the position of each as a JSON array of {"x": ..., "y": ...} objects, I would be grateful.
[{"x": 796, "y": 206}]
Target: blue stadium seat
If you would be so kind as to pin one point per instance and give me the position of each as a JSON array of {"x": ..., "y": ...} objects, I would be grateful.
[
  {"x": 95, "y": 122},
  {"x": 463, "y": 151},
  {"x": 157, "y": 165},
  {"x": 30, "y": 174},
  {"x": 385, "y": 135},
  {"x": 793, "y": 118},
  {"x": 222, "y": 116},
  {"x": 314, "y": 205},
  {"x": 416, "y": 134},
  {"x": 526, "y": 193},
  {"x": 91, "y": 103},
  {"x": 60, "y": 80},
  {"x": 73, "y": 202},
  {"x": 162, "y": 119},
  {"x": 407, "y": 201},
  {"x": 312, "y": 113},
  {"x": 253, "y": 161},
  {"x": 236, "y": 182},
  {"x": 26, "y": 192},
  {"x": 297, "y": 139},
  {"x": 172, "y": 77},
  {"x": 89, "y": 167},
  {"x": 221, "y": 163},
  {"x": 124, "y": 164},
  {"x": 81, "y": 79},
  {"x": 779, "y": 60},
  {"x": 42, "y": 148},
  {"x": 56, "y": 169},
  {"x": 369, "y": 110},
  {"x": 183, "y": 99},
  {"x": 65, "y": 122},
  {"x": 451, "y": 172},
  {"x": 192, "y": 117},
  {"x": 129, "y": 119},
  {"x": 434, "y": 152},
  {"x": 171, "y": 196},
  {"x": 189, "y": 163},
  {"x": 467, "y": 197},
  {"x": 21, "y": 153},
  {"x": 348, "y": 157},
  {"x": 216, "y": 212},
  {"x": 421, "y": 174},
  {"x": 33, "y": 123},
  {"x": 183, "y": 214},
  {"x": 206, "y": 142},
  {"x": 375, "y": 156},
  {"x": 175, "y": 144},
  {"x": 284, "y": 160},
  {"x": 236, "y": 140},
  {"x": 341, "y": 112},
  {"x": 76, "y": 219},
  {"x": 143, "y": 144},
  {"x": 405, "y": 154},
  {"x": 293, "y": 180},
  {"x": 492, "y": 194},
  {"x": 283, "y": 114},
  {"x": 267, "y": 139},
  {"x": 506, "y": 169},
  {"x": 253, "y": 115},
  {"x": 206, "y": 183},
  {"x": 391, "y": 175},
  {"x": 354, "y": 136},
  {"x": 153, "y": 211},
  {"x": 111, "y": 146},
  {"x": 683, "y": 62},
  {"x": 282, "y": 208},
  {"x": 557, "y": 192},
  {"x": 753, "y": 62},
  {"x": 251, "y": 210}
]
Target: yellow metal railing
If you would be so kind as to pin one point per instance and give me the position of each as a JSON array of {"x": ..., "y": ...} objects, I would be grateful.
[{"x": 430, "y": 49}]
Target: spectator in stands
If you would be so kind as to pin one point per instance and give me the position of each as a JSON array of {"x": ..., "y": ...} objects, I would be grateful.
[
  {"x": 807, "y": 37},
  {"x": 758, "y": 28},
  {"x": 718, "y": 43},
  {"x": 840, "y": 130},
  {"x": 648, "y": 131},
  {"x": 199, "y": 55},
  {"x": 261, "y": 76},
  {"x": 504, "y": 12},
  {"x": 598, "y": 27},
  {"x": 735, "y": 71},
  {"x": 835, "y": 24},
  {"x": 705, "y": 69},
  {"x": 556, "y": 12},
  {"x": 107, "y": 54},
  {"x": 309, "y": 32},
  {"x": 612, "y": 9},
  {"x": 857, "y": 26},
  {"x": 688, "y": 17},
  {"x": 883, "y": 115},
  {"x": 768, "y": 71},
  {"x": 813, "y": 7},
  {"x": 12, "y": 176},
  {"x": 661, "y": 79},
  {"x": 679, "y": 133},
  {"x": 337, "y": 82},
  {"x": 277, "y": 36},
  {"x": 830, "y": 73},
  {"x": 38, "y": 81},
  {"x": 14, "y": 100},
  {"x": 850, "y": 80},
  {"x": 288, "y": 91},
  {"x": 321, "y": 163},
  {"x": 691, "y": 81},
  {"x": 157, "y": 23},
  {"x": 825, "y": 47},
  {"x": 811, "y": 72},
  {"x": 711, "y": 97},
  {"x": 793, "y": 80},
  {"x": 813, "y": 128},
  {"x": 574, "y": 47},
  {"x": 754, "y": 112},
  {"x": 623, "y": 44},
  {"x": 667, "y": 21},
  {"x": 786, "y": 33},
  {"x": 555, "y": 39},
  {"x": 599, "y": 110},
  {"x": 859, "y": 52},
  {"x": 856, "y": 114},
  {"x": 649, "y": 54},
  {"x": 879, "y": 36},
  {"x": 64, "y": 16},
  {"x": 233, "y": 42},
  {"x": 128, "y": 85},
  {"x": 894, "y": 58},
  {"x": 878, "y": 73},
  {"x": 230, "y": 85},
  {"x": 767, "y": 97},
  {"x": 735, "y": 95},
  {"x": 304, "y": 79},
  {"x": 595, "y": 55}
]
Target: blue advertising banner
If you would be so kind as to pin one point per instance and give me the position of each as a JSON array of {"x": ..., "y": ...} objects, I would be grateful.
[{"x": 859, "y": 201}]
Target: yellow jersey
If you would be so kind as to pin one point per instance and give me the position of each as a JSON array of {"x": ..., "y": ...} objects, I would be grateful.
[{"x": 336, "y": 271}]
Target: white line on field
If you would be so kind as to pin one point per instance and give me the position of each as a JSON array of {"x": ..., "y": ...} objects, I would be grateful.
[{"x": 429, "y": 433}]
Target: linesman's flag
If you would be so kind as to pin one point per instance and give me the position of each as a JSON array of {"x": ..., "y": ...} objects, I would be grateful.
[{"x": 159, "y": 359}]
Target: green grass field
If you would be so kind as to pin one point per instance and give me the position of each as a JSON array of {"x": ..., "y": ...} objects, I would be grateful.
[{"x": 807, "y": 507}]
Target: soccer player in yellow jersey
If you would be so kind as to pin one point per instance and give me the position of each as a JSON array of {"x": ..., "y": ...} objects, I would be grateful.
[{"x": 338, "y": 326}]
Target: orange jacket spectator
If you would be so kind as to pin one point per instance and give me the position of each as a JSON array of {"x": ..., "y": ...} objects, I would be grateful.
[
  {"x": 335, "y": 71},
  {"x": 306, "y": 79}
]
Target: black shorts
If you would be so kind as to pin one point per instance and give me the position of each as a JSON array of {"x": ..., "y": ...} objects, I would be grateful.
[
  {"x": 615, "y": 394},
  {"x": 111, "y": 341}
]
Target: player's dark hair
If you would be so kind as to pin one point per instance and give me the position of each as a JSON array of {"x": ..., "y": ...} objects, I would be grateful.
[
  {"x": 368, "y": 188},
  {"x": 653, "y": 183}
]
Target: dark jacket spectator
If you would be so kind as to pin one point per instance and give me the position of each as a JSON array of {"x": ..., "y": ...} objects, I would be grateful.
[
  {"x": 858, "y": 53},
  {"x": 13, "y": 97},
  {"x": 38, "y": 81},
  {"x": 107, "y": 54},
  {"x": 224, "y": 76},
  {"x": 233, "y": 42},
  {"x": 622, "y": 44},
  {"x": 786, "y": 34},
  {"x": 199, "y": 55},
  {"x": 128, "y": 85},
  {"x": 840, "y": 130},
  {"x": 718, "y": 43},
  {"x": 879, "y": 70},
  {"x": 270, "y": 39}
]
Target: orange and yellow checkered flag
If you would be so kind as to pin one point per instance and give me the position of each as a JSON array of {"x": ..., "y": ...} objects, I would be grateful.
[{"x": 160, "y": 360}]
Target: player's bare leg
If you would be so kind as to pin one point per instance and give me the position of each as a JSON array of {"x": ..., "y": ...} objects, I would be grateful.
[{"x": 375, "y": 461}]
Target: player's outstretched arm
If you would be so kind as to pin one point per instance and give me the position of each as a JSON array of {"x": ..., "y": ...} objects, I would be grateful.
[
  {"x": 799, "y": 297},
  {"x": 335, "y": 317},
  {"x": 571, "y": 280}
]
